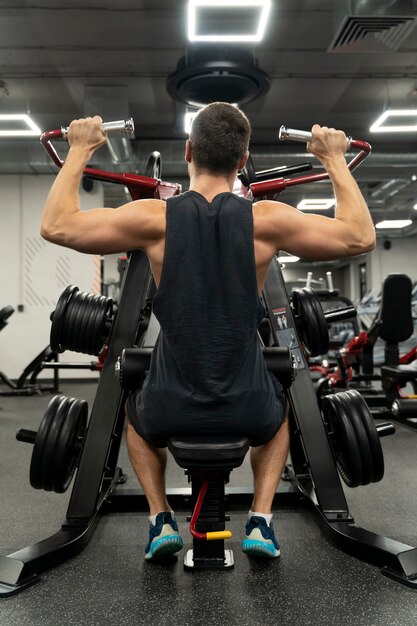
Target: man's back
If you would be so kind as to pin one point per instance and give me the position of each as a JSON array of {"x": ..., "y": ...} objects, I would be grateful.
[
  {"x": 207, "y": 369},
  {"x": 207, "y": 301}
]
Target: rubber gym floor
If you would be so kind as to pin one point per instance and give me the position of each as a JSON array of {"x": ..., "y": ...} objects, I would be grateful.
[{"x": 110, "y": 583}]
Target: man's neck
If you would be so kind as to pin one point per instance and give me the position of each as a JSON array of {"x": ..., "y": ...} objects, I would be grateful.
[{"x": 210, "y": 186}]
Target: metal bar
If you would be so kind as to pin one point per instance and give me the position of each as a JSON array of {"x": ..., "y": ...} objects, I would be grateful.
[
  {"x": 180, "y": 498},
  {"x": 70, "y": 366},
  {"x": 336, "y": 315},
  {"x": 118, "y": 126}
]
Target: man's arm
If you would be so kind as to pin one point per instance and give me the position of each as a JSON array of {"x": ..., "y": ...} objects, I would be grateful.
[
  {"x": 316, "y": 237},
  {"x": 99, "y": 231}
]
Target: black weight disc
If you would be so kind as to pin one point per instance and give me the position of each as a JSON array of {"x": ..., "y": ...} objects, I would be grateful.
[
  {"x": 154, "y": 165},
  {"x": 354, "y": 413},
  {"x": 310, "y": 321},
  {"x": 67, "y": 445},
  {"x": 74, "y": 321},
  {"x": 80, "y": 322},
  {"x": 98, "y": 325},
  {"x": 248, "y": 174},
  {"x": 372, "y": 433},
  {"x": 49, "y": 449},
  {"x": 94, "y": 330},
  {"x": 36, "y": 464},
  {"x": 58, "y": 318},
  {"x": 344, "y": 442}
]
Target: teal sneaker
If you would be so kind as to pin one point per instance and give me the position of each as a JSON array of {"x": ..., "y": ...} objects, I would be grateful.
[
  {"x": 260, "y": 539},
  {"x": 164, "y": 538}
]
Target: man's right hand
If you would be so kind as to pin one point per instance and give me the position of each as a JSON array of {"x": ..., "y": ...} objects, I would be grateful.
[
  {"x": 327, "y": 143},
  {"x": 87, "y": 134}
]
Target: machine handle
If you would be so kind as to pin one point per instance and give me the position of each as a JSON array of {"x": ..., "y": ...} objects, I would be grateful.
[
  {"x": 62, "y": 133},
  {"x": 139, "y": 186},
  {"x": 292, "y": 134},
  {"x": 208, "y": 536},
  {"x": 271, "y": 187},
  {"x": 118, "y": 126}
]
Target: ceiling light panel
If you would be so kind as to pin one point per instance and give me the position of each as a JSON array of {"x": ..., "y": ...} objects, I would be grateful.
[
  {"x": 227, "y": 20},
  {"x": 316, "y": 204},
  {"x": 395, "y": 121},
  {"x": 393, "y": 224},
  {"x": 288, "y": 259},
  {"x": 18, "y": 125}
]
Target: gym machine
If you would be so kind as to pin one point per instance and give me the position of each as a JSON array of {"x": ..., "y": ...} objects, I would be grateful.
[
  {"x": 343, "y": 438},
  {"x": 355, "y": 367}
]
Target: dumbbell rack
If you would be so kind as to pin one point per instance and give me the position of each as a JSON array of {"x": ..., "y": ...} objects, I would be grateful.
[{"x": 313, "y": 474}]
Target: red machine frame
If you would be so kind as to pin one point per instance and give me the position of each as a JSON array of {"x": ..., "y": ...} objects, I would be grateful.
[{"x": 141, "y": 187}]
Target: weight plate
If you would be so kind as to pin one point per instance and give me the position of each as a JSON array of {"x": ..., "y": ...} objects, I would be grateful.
[
  {"x": 58, "y": 318},
  {"x": 354, "y": 413},
  {"x": 154, "y": 165},
  {"x": 80, "y": 322},
  {"x": 36, "y": 464},
  {"x": 311, "y": 323},
  {"x": 67, "y": 448},
  {"x": 372, "y": 433},
  {"x": 343, "y": 440},
  {"x": 49, "y": 448},
  {"x": 74, "y": 319},
  {"x": 94, "y": 330}
]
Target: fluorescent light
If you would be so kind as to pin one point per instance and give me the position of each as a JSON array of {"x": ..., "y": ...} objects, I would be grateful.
[
  {"x": 32, "y": 129},
  {"x": 415, "y": 207},
  {"x": 311, "y": 204},
  {"x": 193, "y": 5},
  {"x": 188, "y": 120},
  {"x": 393, "y": 224},
  {"x": 377, "y": 127},
  {"x": 288, "y": 259}
]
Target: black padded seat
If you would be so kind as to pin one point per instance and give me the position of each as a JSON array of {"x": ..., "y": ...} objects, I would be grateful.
[
  {"x": 400, "y": 373},
  {"x": 215, "y": 451},
  {"x": 395, "y": 312}
]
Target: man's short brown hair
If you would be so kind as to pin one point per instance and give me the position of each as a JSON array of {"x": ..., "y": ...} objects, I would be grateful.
[{"x": 219, "y": 138}]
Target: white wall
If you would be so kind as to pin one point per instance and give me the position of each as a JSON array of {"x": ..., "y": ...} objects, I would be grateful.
[
  {"x": 400, "y": 258},
  {"x": 33, "y": 272},
  {"x": 292, "y": 273}
]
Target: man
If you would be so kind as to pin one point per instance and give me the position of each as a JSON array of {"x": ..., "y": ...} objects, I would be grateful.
[{"x": 209, "y": 252}]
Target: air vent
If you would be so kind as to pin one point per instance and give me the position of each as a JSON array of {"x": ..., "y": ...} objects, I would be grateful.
[
  {"x": 372, "y": 33},
  {"x": 214, "y": 73}
]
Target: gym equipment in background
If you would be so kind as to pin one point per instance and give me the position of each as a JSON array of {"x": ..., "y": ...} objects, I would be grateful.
[{"x": 355, "y": 365}]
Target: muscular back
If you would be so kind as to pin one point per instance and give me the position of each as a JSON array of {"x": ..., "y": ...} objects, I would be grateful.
[{"x": 263, "y": 245}]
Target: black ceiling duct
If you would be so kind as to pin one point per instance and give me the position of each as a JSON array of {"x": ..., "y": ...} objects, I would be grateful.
[{"x": 214, "y": 73}]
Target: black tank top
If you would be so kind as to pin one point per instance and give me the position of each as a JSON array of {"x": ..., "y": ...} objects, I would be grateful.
[{"x": 207, "y": 370}]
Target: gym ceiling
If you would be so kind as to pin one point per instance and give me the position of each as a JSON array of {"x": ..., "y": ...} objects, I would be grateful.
[{"x": 339, "y": 63}]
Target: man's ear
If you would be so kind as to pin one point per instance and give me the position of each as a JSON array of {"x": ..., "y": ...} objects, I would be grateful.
[
  {"x": 188, "y": 151},
  {"x": 243, "y": 161}
]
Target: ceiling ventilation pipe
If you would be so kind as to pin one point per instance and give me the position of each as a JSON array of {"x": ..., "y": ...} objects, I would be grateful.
[{"x": 111, "y": 103}]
